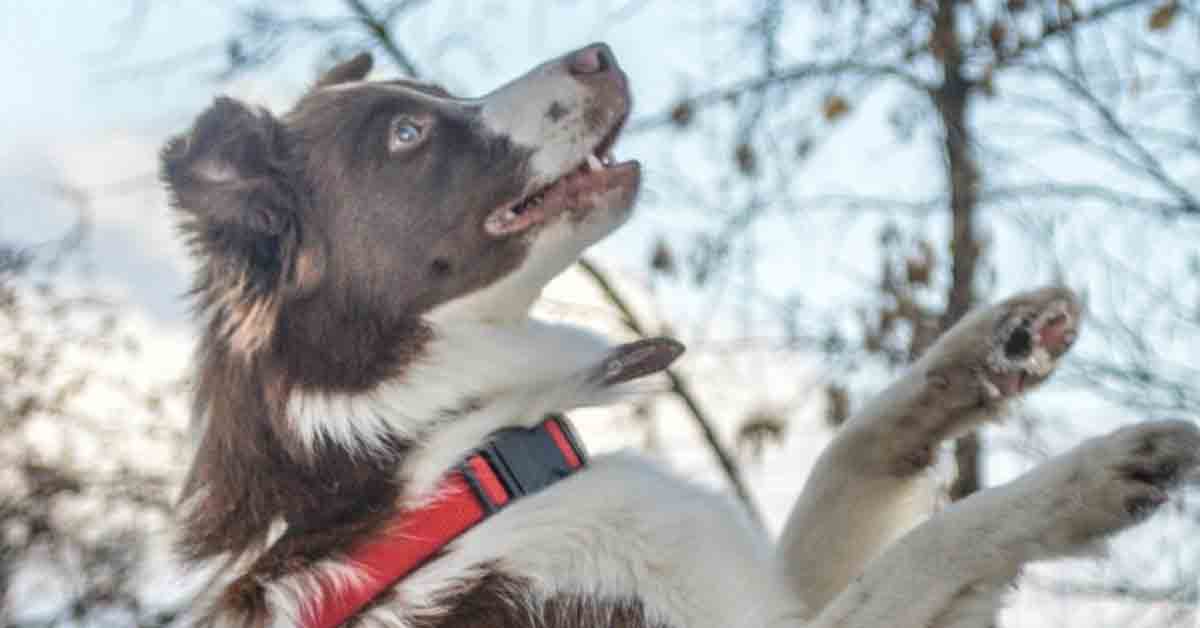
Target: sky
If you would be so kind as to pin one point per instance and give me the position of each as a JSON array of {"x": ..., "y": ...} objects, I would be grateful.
[{"x": 92, "y": 90}]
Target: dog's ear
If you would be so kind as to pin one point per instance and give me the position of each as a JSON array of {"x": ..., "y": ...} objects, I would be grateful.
[
  {"x": 233, "y": 171},
  {"x": 236, "y": 182},
  {"x": 355, "y": 68}
]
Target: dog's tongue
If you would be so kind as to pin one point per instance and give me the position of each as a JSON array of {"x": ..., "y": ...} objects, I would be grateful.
[{"x": 637, "y": 359}]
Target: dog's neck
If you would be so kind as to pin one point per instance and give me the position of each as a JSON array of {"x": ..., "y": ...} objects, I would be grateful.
[
  {"x": 475, "y": 377},
  {"x": 315, "y": 458}
]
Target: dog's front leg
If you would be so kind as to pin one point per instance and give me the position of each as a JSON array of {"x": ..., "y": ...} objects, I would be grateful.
[
  {"x": 950, "y": 571},
  {"x": 869, "y": 486}
]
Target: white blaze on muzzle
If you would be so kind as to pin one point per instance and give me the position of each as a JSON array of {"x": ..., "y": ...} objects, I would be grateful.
[{"x": 554, "y": 114}]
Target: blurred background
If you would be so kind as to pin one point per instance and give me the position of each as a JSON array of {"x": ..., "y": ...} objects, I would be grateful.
[{"x": 828, "y": 185}]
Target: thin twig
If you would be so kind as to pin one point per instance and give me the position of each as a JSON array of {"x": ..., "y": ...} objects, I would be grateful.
[
  {"x": 787, "y": 76},
  {"x": 680, "y": 388},
  {"x": 379, "y": 29}
]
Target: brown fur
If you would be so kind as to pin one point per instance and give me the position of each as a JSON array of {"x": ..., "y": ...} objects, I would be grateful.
[{"x": 499, "y": 600}]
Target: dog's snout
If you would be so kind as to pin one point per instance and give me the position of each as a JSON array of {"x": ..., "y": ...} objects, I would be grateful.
[{"x": 593, "y": 59}]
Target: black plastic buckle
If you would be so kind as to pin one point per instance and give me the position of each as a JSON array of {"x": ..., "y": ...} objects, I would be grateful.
[{"x": 525, "y": 460}]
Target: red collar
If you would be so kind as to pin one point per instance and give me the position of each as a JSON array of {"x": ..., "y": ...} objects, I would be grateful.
[{"x": 516, "y": 462}]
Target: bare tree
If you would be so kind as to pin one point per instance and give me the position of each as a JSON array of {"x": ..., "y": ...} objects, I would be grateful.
[
  {"x": 966, "y": 73},
  {"x": 1037, "y": 111},
  {"x": 77, "y": 501}
]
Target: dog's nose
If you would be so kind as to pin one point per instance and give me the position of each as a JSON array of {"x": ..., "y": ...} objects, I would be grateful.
[{"x": 592, "y": 59}]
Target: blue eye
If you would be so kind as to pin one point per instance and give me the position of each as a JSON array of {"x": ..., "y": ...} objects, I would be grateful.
[{"x": 405, "y": 134}]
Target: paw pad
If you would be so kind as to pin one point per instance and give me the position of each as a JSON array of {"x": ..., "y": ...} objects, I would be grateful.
[
  {"x": 1029, "y": 345},
  {"x": 1057, "y": 333},
  {"x": 1019, "y": 344},
  {"x": 1143, "y": 506}
]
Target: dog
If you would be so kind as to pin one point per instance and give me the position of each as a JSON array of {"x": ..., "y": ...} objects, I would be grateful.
[{"x": 366, "y": 267}]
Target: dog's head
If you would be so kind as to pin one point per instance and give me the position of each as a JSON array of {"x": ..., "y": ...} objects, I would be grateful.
[
  {"x": 337, "y": 242},
  {"x": 378, "y": 202}
]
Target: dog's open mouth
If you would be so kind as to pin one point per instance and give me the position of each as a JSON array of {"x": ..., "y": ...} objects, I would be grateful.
[{"x": 582, "y": 189}]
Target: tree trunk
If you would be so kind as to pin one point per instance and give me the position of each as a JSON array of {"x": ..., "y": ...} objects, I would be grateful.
[{"x": 952, "y": 99}]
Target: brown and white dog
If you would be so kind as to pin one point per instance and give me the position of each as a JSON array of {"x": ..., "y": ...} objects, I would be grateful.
[{"x": 367, "y": 263}]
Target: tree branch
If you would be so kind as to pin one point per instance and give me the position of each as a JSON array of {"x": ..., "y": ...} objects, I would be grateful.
[
  {"x": 379, "y": 29},
  {"x": 1066, "y": 27},
  {"x": 681, "y": 389},
  {"x": 783, "y": 77},
  {"x": 1186, "y": 595},
  {"x": 1145, "y": 159}
]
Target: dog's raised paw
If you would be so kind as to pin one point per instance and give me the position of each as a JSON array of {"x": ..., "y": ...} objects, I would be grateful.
[
  {"x": 1119, "y": 479},
  {"x": 1005, "y": 349},
  {"x": 637, "y": 359},
  {"x": 995, "y": 353},
  {"x": 1030, "y": 339},
  {"x": 1151, "y": 459}
]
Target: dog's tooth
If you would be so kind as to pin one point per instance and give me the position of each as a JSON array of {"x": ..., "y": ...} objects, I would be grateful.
[
  {"x": 607, "y": 159},
  {"x": 594, "y": 162}
]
